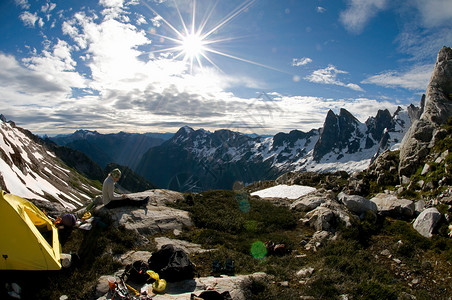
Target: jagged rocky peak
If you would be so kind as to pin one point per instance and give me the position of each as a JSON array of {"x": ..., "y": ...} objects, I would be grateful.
[
  {"x": 415, "y": 112},
  {"x": 2, "y": 118},
  {"x": 229, "y": 138},
  {"x": 182, "y": 134},
  {"x": 289, "y": 139},
  {"x": 376, "y": 126},
  {"x": 435, "y": 112},
  {"x": 338, "y": 131}
]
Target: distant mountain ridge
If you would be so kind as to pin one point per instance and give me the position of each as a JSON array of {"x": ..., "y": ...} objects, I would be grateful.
[
  {"x": 198, "y": 159},
  {"x": 121, "y": 148},
  {"x": 195, "y": 160}
]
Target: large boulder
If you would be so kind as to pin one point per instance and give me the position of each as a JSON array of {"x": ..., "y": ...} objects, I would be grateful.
[
  {"x": 327, "y": 216},
  {"x": 311, "y": 201},
  {"x": 436, "y": 111},
  {"x": 426, "y": 222},
  {"x": 390, "y": 205},
  {"x": 321, "y": 219},
  {"x": 152, "y": 219},
  {"x": 357, "y": 204}
]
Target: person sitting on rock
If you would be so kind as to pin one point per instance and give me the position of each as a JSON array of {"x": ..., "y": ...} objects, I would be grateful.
[{"x": 111, "y": 199}]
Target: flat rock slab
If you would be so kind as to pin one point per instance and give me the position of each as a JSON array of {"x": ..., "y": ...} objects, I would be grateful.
[
  {"x": 153, "y": 218},
  {"x": 132, "y": 256},
  {"x": 189, "y": 248},
  {"x": 158, "y": 196},
  {"x": 392, "y": 206}
]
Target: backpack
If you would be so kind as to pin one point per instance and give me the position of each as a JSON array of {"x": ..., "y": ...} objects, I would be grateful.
[
  {"x": 136, "y": 272},
  {"x": 172, "y": 264},
  {"x": 212, "y": 295}
]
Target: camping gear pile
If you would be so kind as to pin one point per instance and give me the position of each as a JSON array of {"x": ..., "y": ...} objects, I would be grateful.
[{"x": 169, "y": 262}]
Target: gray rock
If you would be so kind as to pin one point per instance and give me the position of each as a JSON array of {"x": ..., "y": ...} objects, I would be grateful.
[
  {"x": 320, "y": 218},
  {"x": 426, "y": 221},
  {"x": 188, "y": 247},
  {"x": 425, "y": 169},
  {"x": 419, "y": 206},
  {"x": 308, "y": 202},
  {"x": 405, "y": 180},
  {"x": 390, "y": 205},
  {"x": 318, "y": 239},
  {"x": 436, "y": 111},
  {"x": 306, "y": 272},
  {"x": 325, "y": 217},
  {"x": 152, "y": 219},
  {"x": 357, "y": 204},
  {"x": 131, "y": 256}
]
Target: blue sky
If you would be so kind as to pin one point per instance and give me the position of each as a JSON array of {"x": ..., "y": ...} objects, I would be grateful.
[{"x": 255, "y": 66}]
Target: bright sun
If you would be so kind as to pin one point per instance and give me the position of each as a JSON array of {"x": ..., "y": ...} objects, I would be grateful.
[{"x": 193, "y": 46}]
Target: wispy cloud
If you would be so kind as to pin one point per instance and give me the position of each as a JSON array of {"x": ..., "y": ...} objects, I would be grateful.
[
  {"x": 30, "y": 19},
  {"x": 329, "y": 75},
  {"x": 416, "y": 78},
  {"x": 434, "y": 12},
  {"x": 359, "y": 12},
  {"x": 320, "y": 9},
  {"x": 297, "y": 62},
  {"x": 23, "y": 4}
]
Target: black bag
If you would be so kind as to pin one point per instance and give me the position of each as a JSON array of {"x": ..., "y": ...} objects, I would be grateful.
[
  {"x": 172, "y": 264},
  {"x": 136, "y": 271},
  {"x": 212, "y": 295}
]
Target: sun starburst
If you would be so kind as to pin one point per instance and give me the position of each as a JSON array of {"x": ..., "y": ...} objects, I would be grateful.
[{"x": 194, "y": 45}]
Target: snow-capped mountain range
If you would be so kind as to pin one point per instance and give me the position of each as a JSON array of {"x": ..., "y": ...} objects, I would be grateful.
[
  {"x": 193, "y": 160},
  {"x": 199, "y": 159},
  {"x": 30, "y": 170}
]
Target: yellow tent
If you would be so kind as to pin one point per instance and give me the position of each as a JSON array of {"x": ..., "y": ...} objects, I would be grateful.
[{"x": 28, "y": 238}]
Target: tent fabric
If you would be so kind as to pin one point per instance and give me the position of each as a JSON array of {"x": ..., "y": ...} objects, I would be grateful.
[{"x": 22, "y": 244}]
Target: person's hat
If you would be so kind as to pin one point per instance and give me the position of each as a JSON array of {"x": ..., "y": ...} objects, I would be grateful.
[{"x": 116, "y": 173}]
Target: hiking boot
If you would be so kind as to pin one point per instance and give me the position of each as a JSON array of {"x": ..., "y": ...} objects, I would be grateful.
[
  {"x": 216, "y": 268},
  {"x": 145, "y": 201},
  {"x": 229, "y": 267}
]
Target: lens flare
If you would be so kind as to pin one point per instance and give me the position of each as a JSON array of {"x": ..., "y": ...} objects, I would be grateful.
[{"x": 258, "y": 250}]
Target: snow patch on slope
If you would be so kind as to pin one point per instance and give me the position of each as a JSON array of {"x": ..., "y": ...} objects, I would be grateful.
[{"x": 284, "y": 191}]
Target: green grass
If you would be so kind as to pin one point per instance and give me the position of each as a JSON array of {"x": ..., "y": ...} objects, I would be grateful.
[{"x": 231, "y": 222}]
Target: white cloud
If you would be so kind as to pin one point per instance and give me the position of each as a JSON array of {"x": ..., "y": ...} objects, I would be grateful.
[
  {"x": 296, "y": 62},
  {"x": 359, "y": 12},
  {"x": 416, "y": 78},
  {"x": 434, "y": 12},
  {"x": 141, "y": 20},
  {"x": 320, "y": 9},
  {"x": 112, "y": 3},
  {"x": 23, "y": 4},
  {"x": 22, "y": 80},
  {"x": 29, "y": 19},
  {"x": 128, "y": 88},
  {"x": 329, "y": 75},
  {"x": 48, "y": 7}
]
